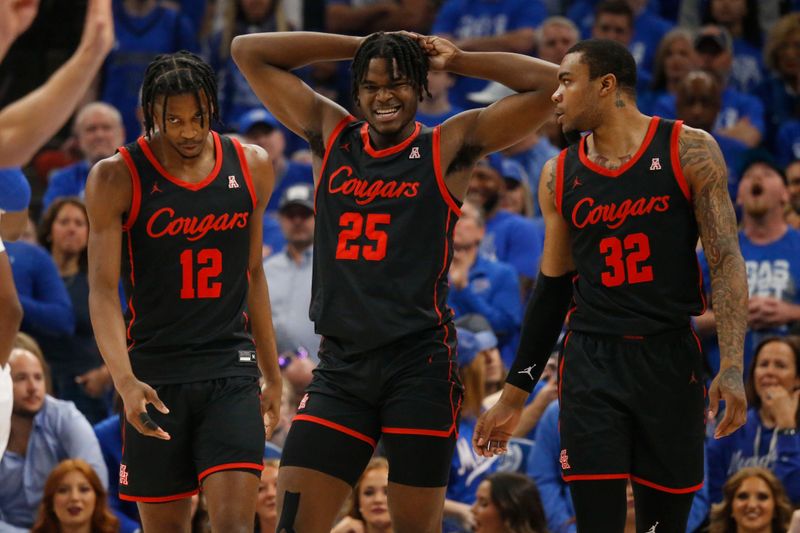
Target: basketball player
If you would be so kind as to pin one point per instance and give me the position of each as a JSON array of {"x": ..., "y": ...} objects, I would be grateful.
[
  {"x": 623, "y": 208},
  {"x": 181, "y": 208},
  {"x": 388, "y": 196}
]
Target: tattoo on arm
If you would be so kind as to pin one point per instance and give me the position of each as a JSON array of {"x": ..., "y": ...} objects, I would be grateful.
[
  {"x": 551, "y": 178},
  {"x": 707, "y": 174}
]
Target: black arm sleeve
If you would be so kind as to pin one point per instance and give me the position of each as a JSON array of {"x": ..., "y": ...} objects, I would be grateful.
[{"x": 544, "y": 317}]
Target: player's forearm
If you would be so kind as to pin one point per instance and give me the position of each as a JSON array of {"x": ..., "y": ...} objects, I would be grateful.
[
  {"x": 290, "y": 50},
  {"x": 31, "y": 121},
  {"x": 263, "y": 333},
  {"x": 519, "y": 72},
  {"x": 109, "y": 332},
  {"x": 729, "y": 294}
]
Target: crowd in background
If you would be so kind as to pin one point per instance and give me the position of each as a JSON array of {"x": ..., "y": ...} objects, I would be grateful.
[{"x": 730, "y": 67}]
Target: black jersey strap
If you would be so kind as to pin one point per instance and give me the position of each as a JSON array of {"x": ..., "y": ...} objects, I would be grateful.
[{"x": 544, "y": 317}]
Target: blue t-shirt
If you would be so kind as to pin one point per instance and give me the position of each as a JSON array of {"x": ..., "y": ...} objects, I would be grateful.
[
  {"x": 515, "y": 240},
  {"x": 435, "y": 120},
  {"x": 781, "y": 103},
  {"x": 733, "y": 151},
  {"x": 464, "y": 19},
  {"x": 747, "y": 70},
  {"x": 772, "y": 270},
  {"x": 67, "y": 181},
  {"x": 293, "y": 174},
  {"x": 735, "y": 106},
  {"x": 788, "y": 146},
  {"x": 138, "y": 41}
]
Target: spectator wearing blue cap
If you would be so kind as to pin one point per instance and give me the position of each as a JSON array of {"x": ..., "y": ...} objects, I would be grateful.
[
  {"x": 482, "y": 285},
  {"x": 259, "y": 127},
  {"x": 289, "y": 272},
  {"x": 518, "y": 197},
  {"x": 509, "y": 237}
]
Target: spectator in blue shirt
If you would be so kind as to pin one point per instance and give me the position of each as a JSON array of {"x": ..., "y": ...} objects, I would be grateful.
[
  {"x": 509, "y": 238},
  {"x": 437, "y": 107},
  {"x": 99, "y": 131},
  {"x": 674, "y": 59},
  {"x": 44, "y": 432},
  {"x": 781, "y": 90},
  {"x": 44, "y": 298},
  {"x": 741, "y": 115},
  {"x": 483, "y": 286},
  {"x": 788, "y": 144}
]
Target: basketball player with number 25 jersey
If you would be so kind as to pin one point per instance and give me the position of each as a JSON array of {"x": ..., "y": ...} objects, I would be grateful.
[
  {"x": 388, "y": 196},
  {"x": 623, "y": 210},
  {"x": 179, "y": 212}
]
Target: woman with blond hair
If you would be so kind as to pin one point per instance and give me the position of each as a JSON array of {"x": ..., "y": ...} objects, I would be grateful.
[
  {"x": 780, "y": 92},
  {"x": 368, "y": 510},
  {"x": 74, "y": 501},
  {"x": 754, "y": 502}
]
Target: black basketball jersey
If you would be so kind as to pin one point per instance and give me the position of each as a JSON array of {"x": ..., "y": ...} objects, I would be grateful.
[
  {"x": 185, "y": 268},
  {"x": 383, "y": 239},
  {"x": 633, "y": 238}
]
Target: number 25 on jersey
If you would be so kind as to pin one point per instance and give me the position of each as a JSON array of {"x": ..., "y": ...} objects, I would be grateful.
[{"x": 353, "y": 226}]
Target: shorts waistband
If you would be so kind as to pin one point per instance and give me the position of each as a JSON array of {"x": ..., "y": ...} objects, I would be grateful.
[{"x": 664, "y": 336}]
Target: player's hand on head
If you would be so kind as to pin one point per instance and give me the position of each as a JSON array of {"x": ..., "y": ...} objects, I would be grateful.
[
  {"x": 439, "y": 50},
  {"x": 728, "y": 386},
  {"x": 271, "y": 406},
  {"x": 135, "y": 397},
  {"x": 494, "y": 429}
]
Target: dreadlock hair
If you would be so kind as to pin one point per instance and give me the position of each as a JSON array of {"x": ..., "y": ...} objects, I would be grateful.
[
  {"x": 412, "y": 62},
  {"x": 179, "y": 73}
]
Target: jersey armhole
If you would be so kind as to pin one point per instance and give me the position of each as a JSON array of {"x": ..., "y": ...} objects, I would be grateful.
[
  {"x": 248, "y": 178},
  {"x": 437, "y": 170},
  {"x": 675, "y": 159},
  {"x": 560, "y": 179},
  {"x": 136, "y": 189},
  {"x": 328, "y": 146}
]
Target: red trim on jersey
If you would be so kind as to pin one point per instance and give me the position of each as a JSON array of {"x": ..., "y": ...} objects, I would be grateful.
[
  {"x": 248, "y": 178},
  {"x": 158, "y": 499},
  {"x": 675, "y": 159},
  {"x": 332, "y": 139},
  {"x": 130, "y": 256},
  {"x": 662, "y": 488},
  {"x": 594, "y": 477},
  {"x": 651, "y": 131},
  {"x": 130, "y": 325},
  {"x": 177, "y": 181},
  {"x": 229, "y": 466},
  {"x": 700, "y": 287},
  {"x": 441, "y": 273},
  {"x": 338, "y": 427},
  {"x": 561, "y": 365},
  {"x": 136, "y": 188},
  {"x": 633, "y": 337},
  {"x": 420, "y": 432},
  {"x": 392, "y": 149},
  {"x": 437, "y": 170},
  {"x": 560, "y": 180},
  {"x": 696, "y": 339}
]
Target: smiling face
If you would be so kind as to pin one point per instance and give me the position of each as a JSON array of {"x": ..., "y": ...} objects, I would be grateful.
[
  {"x": 753, "y": 506},
  {"x": 372, "y": 500},
  {"x": 185, "y": 124},
  {"x": 74, "y": 500},
  {"x": 388, "y": 100},
  {"x": 775, "y": 365}
]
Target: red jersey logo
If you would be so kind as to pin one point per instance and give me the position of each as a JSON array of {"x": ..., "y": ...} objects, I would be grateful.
[
  {"x": 564, "y": 460},
  {"x": 612, "y": 215},
  {"x": 164, "y": 222},
  {"x": 123, "y": 475},
  {"x": 364, "y": 192}
]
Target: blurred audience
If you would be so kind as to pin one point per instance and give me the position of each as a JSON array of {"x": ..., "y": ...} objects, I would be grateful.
[
  {"x": 369, "y": 508},
  {"x": 266, "y": 506},
  {"x": 508, "y": 501}
]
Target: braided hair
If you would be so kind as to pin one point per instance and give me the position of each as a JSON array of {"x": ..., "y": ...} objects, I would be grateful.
[
  {"x": 179, "y": 73},
  {"x": 412, "y": 62}
]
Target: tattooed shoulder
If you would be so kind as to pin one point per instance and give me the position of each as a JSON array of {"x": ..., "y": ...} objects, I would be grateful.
[
  {"x": 700, "y": 156},
  {"x": 550, "y": 171}
]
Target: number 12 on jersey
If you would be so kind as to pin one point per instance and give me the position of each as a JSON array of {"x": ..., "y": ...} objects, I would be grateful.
[
  {"x": 624, "y": 257},
  {"x": 352, "y": 227},
  {"x": 207, "y": 264}
]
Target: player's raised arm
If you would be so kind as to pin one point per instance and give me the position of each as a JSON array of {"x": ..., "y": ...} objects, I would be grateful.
[
  {"x": 705, "y": 170},
  {"x": 31, "y": 121},
  {"x": 541, "y": 325},
  {"x": 266, "y": 60},
  {"x": 108, "y": 199},
  {"x": 258, "y": 303}
]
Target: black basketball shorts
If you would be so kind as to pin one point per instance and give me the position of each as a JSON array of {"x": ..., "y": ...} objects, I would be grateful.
[
  {"x": 633, "y": 408},
  {"x": 214, "y": 425},
  {"x": 407, "y": 393}
]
